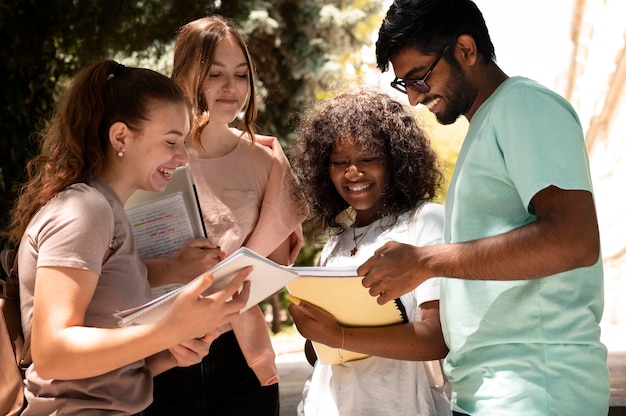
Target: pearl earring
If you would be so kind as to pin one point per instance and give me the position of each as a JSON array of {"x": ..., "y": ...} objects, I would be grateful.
[{"x": 120, "y": 153}]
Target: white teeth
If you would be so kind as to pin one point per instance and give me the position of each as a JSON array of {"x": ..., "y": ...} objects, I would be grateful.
[
  {"x": 433, "y": 103},
  {"x": 356, "y": 188},
  {"x": 166, "y": 172}
]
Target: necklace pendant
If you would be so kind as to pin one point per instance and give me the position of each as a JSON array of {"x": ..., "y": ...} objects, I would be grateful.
[{"x": 353, "y": 251}]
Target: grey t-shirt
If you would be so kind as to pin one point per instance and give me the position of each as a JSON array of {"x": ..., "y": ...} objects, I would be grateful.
[{"x": 85, "y": 227}]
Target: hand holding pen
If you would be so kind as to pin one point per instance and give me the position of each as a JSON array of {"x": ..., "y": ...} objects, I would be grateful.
[{"x": 196, "y": 257}]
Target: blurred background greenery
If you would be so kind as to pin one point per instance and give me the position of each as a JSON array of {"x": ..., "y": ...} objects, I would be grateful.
[{"x": 304, "y": 51}]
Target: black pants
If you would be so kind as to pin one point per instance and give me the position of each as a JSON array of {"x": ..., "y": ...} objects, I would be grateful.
[{"x": 222, "y": 385}]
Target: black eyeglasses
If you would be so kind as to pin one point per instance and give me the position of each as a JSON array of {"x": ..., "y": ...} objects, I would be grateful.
[{"x": 417, "y": 84}]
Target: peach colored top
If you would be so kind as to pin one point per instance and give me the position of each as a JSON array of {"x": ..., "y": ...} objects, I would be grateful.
[{"x": 247, "y": 199}]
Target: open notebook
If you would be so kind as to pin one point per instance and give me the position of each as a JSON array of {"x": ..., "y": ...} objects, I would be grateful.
[{"x": 266, "y": 279}]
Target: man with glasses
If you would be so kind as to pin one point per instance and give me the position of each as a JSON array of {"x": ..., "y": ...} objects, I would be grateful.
[
  {"x": 417, "y": 84},
  {"x": 521, "y": 309}
]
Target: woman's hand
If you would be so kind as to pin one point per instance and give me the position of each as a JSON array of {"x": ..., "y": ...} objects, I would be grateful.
[
  {"x": 196, "y": 257},
  {"x": 186, "y": 353},
  {"x": 192, "y": 351},
  {"x": 192, "y": 259},
  {"x": 316, "y": 324},
  {"x": 194, "y": 315}
]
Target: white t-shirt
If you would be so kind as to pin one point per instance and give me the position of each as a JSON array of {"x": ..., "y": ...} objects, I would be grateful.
[{"x": 379, "y": 386}]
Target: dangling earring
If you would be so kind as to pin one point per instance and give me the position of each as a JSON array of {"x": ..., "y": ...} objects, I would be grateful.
[{"x": 120, "y": 153}]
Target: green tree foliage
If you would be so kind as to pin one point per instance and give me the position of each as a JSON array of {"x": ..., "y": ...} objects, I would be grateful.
[
  {"x": 302, "y": 50},
  {"x": 301, "y": 47},
  {"x": 45, "y": 41},
  {"x": 305, "y": 51}
]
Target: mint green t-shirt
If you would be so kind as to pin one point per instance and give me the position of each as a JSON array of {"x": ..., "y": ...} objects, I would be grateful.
[{"x": 523, "y": 347}]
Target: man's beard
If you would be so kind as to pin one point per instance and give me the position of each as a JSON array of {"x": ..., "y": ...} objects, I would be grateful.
[{"x": 460, "y": 97}]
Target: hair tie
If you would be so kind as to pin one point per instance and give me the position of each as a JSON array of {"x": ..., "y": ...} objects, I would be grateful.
[{"x": 117, "y": 71}]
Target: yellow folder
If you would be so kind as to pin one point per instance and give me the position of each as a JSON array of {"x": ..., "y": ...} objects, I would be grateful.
[{"x": 349, "y": 302}]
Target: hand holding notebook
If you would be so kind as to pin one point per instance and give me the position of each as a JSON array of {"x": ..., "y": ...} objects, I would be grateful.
[
  {"x": 266, "y": 279},
  {"x": 348, "y": 301}
]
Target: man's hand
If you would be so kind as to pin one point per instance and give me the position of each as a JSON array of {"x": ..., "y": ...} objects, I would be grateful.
[{"x": 392, "y": 271}]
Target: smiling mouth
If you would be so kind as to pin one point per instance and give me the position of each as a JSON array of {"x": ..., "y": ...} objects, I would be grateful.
[
  {"x": 431, "y": 104},
  {"x": 357, "y": 187},
  {"x": 166, "y": 172}
]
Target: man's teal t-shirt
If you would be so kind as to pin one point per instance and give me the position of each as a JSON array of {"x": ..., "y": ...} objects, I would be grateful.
[{"x": 524, "y": 347}]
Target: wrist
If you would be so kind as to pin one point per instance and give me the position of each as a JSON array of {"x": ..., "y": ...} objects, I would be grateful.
[
  {"x": 160, "y": 362},
  {"x": 343, "y": 338},
  {"x": 428, "y": 256}
]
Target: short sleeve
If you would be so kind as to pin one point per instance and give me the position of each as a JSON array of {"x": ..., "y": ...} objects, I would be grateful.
[
  {"x": 546, "y": 147},
  {"x": 426, "y": 228},
  {"x": 75, "y": 230},
  {"x": 428, "y": 291}
]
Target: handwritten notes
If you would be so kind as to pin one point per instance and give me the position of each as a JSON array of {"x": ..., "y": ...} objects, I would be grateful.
[{"x": 161, "y": 227}]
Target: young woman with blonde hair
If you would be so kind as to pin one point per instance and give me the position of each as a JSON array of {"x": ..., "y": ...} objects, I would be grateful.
[{"x": 246, "y": 193}]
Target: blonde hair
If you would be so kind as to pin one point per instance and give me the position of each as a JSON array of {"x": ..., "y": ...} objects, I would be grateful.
[{"x": 194, "y": 51}]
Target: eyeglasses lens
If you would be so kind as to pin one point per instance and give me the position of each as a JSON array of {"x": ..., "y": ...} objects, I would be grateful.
[
  {"x": 417, "y": 84},
  {"x": 414, "y": 84}
]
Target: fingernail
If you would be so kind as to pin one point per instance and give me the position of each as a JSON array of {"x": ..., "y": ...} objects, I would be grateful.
[{"x": 293, "y": 299}]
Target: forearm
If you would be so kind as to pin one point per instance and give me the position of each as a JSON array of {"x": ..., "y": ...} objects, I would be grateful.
[
  {"x": 563, "y": 237},
  {"x": 281, "y": 254},
  {"x": 529, "y": 252},
  {"x": 62, "y": 348},
  {"x": 417, "y": 341},
  {"x": 160, "y": 362},
  {"x": 81, "y": 352}
]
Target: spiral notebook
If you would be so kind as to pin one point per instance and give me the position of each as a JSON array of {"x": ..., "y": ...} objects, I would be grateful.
[
  {"x": 348, "y": 301},
  {"x": 265, "y": 279}
]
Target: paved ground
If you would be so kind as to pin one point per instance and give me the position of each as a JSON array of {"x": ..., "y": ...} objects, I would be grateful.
[
  {"x": 617, "y": 368},
  {"x": 293, "y": 374},
  {"x": 614, "y": 337},
  {"x": 294, "y": 369}
]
